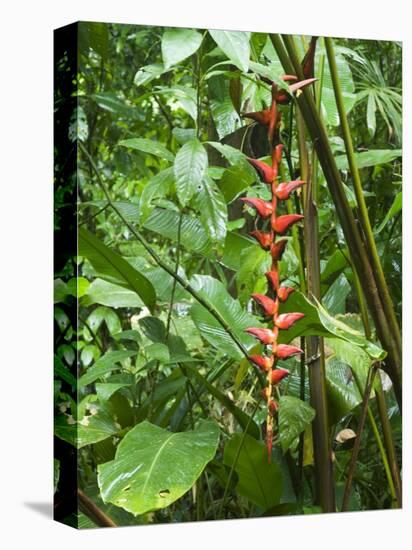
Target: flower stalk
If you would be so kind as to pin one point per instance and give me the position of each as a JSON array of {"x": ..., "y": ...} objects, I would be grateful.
[{"x": 269, "y": 240}]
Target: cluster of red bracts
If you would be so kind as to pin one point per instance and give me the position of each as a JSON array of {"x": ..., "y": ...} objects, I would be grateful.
[{"x": 267, "y": 239}]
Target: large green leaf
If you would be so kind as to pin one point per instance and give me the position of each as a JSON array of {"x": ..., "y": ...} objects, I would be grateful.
[
  {"x": 146, "y": 74},
  {"x": 294, "y": 416},
  {"x": 318, "y": 322},
  {"x": 148, "y": 146},
  {"x": 369, "y": 158},
  {"x": 235, "y": 44},
  {"x": 213, "y": 210},
  {"x": 108, "y": 362},
  {"x": 258, "y": 481},
  {"x": 177, "y": 44},
  {"x": 190, "y": 167},
  {"x": 229, "y": 308},
  {"x": 109, "y": 264},
  {"x": 154, "y": 467}
]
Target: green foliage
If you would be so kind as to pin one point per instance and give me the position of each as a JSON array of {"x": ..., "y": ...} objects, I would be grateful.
[
  {"x": 154, "y": 467},
  {"x": 160, "y": 113}
]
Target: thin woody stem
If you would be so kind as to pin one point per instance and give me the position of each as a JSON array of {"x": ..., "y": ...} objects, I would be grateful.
[{"x": 184, "y": 284}]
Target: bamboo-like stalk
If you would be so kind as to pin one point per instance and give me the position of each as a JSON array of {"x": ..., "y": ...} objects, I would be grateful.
[
  {"x": 358, "y": 253},
  {"x": 314, "y": 344},
  {"x": 360, "y": 199}
]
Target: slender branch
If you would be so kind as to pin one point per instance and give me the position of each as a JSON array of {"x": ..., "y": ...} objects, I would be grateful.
[
  {"x": 92, "y": 511},
  {"x": 184, "y": 284}
]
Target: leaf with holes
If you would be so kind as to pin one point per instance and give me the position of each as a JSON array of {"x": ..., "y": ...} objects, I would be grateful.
[{"x": 154, "y": 467}]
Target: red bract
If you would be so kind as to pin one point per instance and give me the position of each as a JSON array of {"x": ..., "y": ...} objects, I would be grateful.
[
  {"x": 278, "y": 153},
  {"x": 299, "y": 85},
  {"x": 263, "y": 362},
  {"x": 286, "y": 320},
  {"x": 268, "y": 305},
  {"x": 273, "y": 279},
  {"x": 264, "y": 239},
  {"x": 282, "y": 223},
  {"x": 284, "y": 292},
  {"x": 263, "y": 208},
  {"x": 265, "y": 335},
  {"x": 278, "y": 249},
  {"x": 278, "y": 375},
  {"x": 262, "y": 117},
  {"x": 284, "y": 190},
  {"x": 283, "y": 351},
  {"x": 265, "y": 171}
]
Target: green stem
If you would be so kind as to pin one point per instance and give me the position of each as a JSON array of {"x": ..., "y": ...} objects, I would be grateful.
[
  {"x": 356, "y": 446},
  {"x": 360, "y": 199},
  {"x": 359, "y": 256},
  {"x": 379, "y": 443}
]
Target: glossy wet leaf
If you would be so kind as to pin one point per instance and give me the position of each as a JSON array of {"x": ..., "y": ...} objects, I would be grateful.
[
  {"x": 258, "y": 481},
  {"x": 154, "y": 467},
  {"x": 213, "y": 210}
]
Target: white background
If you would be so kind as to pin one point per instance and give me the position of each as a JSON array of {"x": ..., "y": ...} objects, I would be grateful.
[{"x": 26, "y": 271}]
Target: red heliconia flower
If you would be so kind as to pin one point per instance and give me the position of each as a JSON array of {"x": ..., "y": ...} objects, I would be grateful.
[
  {"x": 264, "y": 239},
  {"x": 265, "y": 335},
  {"x": 273, "y": 279},
  {"x": 286, "y": 320},
  {"x": 262, "y": 117},
  {"x": 278, "y": 152},
  {"x": 283, "y": 351},
  {"x": 268, "y": 305},
  {"x": 263, "y": 208},
  {"x": 284, "y": 189},
  {"x": 289, "y": 77},
  {"x": 278, "y": 249},
  {"x": 282, "y": 223},
  {"x": 284, "y": 292},
  {"x": 278, "y": 375},
  {"x": 273, "y": 406},
  {"x": 262, "y": 361},
  {"x": 265, "y": 171}
]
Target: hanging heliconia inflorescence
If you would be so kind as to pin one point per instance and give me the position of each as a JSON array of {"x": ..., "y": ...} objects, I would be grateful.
[{"x": 269, "y": 240}]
